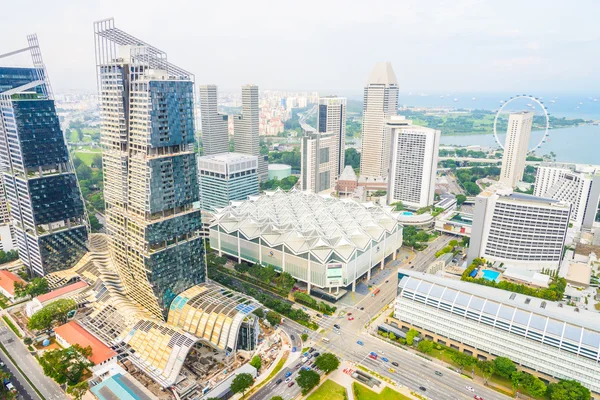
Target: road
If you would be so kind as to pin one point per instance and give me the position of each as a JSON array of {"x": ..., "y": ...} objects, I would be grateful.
[
  {"x": 20, "y": 383},
  {"x": 423, "y": 258},
  {"x": 30, "y": 366}
]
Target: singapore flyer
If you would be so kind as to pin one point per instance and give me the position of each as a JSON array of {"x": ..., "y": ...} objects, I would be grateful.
[{"x": 533, "y": 100}]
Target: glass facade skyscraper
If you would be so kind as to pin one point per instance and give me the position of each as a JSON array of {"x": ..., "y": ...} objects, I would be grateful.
[
  {"x": 43, "y": 196},
  {"x": 150, "y": 177}
]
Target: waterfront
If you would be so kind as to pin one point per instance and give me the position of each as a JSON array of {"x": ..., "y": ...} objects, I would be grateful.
[{"x": 577, "y": 144}]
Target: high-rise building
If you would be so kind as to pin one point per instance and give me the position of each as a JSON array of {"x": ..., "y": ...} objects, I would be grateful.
[
  {"x": 8, "y": 239},
  {"x": 380, "y": 103},
  {"x": 548, "y": 338},
  {"x": 413, "y": 163},
  {"x": 226, "y": 177},
  {"x": 246, "y": 127},
  {"x": 577, "y": 185},
  {"x": 215, "y": 138},
  {"x": 331, "y": 119},
  {"x": 515, "y": 148},
  {"x": 318, "y": 161},
  {"x": 150, "y": 177},
  {"x": 518, "y": 230},
  {"x": 43, "y": 195}
]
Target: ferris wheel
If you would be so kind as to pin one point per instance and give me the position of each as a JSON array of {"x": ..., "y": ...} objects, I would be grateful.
[{"x": 536, "y": 100}]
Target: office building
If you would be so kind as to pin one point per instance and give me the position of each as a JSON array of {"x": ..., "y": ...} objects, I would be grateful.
[
  {"x": 8, "y": 239},
  {"x": 150, "y": 176},
  {"x": 43, "y": 195},
  {"x": 515, "y": 148},
  {"x": 318, "y": 161},
  {"x": 226, "y": 177},
  {"x": 545, "y": 338},
  {"x": 574, "y": 184},
  {"x": 331, "y": 119},
  {"x": 380, "y": 103},
  {"x": 215, "y": 138},
  {"x": 246, "y": 140},
  {"x": 518, "y": 229},
  {"x": 320, "y": 240},
  {"x": 413, "y": 163}
]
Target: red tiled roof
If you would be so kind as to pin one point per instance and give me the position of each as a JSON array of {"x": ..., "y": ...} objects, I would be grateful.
[
  {"x": 61, "y": 291},
  {"x": 7, "y": 281},
  {"x": 73, "y": 333}
]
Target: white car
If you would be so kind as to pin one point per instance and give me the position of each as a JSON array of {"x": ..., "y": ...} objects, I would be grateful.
[
  {"x": 289, "y": 379},
  {"x": 469, "y": 388}
]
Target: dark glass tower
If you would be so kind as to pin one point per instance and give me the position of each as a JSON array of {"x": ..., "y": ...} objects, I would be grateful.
[
  {"x": 41, "y": 187},
  {"x": 150, "y": 179}
]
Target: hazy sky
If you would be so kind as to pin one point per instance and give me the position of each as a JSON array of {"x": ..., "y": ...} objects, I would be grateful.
[{"x": 330, "y": 45}]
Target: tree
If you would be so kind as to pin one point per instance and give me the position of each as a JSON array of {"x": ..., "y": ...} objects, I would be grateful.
[
  {"x": 392, "y": 336},
  {"x": 66, "y": 365},
  {"x": 256, "y": 362},
  {"x": 78, "y": 390},
  {"x": 307, "y": 380},
  {"x": 516, "y": 378},
  {"x": 83, "y": 172},
  {"x": 273, "y": 318},
  {"x": 460, "y": 199},
  {"x": 241, "y": 383},
  {"x": 56, "y": 311},
  {"x": 304, "y": 337},
  {"x": 352, "y": 157},
  {"x": 462, "y": 360},
  {"x": 276, "y": 398},
  {"x": 487, "y": 369},
  {"x": 398, "y": 206},
  {"x": 27, "y": 340},
  {"x": 534, "y": 386},
  {"x": 327, "y": 362},
  {"x": 97, "y": 161},
  {"x": 410, "y": 336},
  {"x": 504, "y": 366},
  {"x": 568, "y": 390},
  {"x": 425, "y": 346},
  {"x": 285, "y": 281},
  {"x": 34, "y": 288},
  {"x": 259, "y": 312},
  {"x": 94, "y": 223}
]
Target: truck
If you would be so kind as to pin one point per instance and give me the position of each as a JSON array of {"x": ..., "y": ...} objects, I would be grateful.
[
  {"x": 375, "y": 292},
  {"x": 373, "y": 355},
  {"x": 304, "y": 359}
]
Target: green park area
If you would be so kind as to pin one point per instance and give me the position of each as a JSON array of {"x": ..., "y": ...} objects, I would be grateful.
[
  {"x": 87, "y": 154},
  {"x": 329, "y": 390},
  {"x": 363, "y": 393}
]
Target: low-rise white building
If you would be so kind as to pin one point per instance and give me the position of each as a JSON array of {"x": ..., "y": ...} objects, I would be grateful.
[
  {"x": 544, "y": 337},
  {"x": 320, "y": 240}
]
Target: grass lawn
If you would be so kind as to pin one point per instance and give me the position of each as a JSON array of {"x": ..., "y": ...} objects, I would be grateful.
[
  {"x": 329, "y": 390},
  {"x": 363, "y": 393},
  {"x": 87, "y": 157}
]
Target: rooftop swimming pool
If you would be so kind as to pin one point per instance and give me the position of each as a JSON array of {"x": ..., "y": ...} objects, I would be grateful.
[
  {"x": 407, "y": 213},
  {"x": 490, "y": 275}
]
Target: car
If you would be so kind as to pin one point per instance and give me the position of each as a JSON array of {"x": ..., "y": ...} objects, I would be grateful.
[
  {"x": 384, "y": 359},
  {"x": 392, "y": 370},
  {"x": 307, "y": 368},
  {"x": 313, "y": 365},
  {"x": 387, "y": 280},
  {"x": 338, "y": 332},
  {"x": 293, "y": 337},
  {"x": 336, "y": 326},
  {"x": 298, "y": 366},
  {"x": 291, "y": 384},
  {"x": 311, "y": 349},
  {"x": 438, "y": 373},
  {"x": 319, "y": 315},
  {"x": 395, "y": 364},
  {"x": 362, "y": 308},
  {"x": 316, "y": 354},
  {"x": 349, "y": 313},
  {"x": 469, "y": 388},
  {"x": 305, "y": 354},
  {"x": 423, "y": 388},
  {"x": 412, "y": 266},
  {"x": 373, "y": 355},
  {"x": 309, "y": 356},
  {"x": 278, "y": 381},
  {"x": 350, "y": 318},
  {"x": 478, "y": 397},
  {"x": 358, "y": 342},
  {"x": 288, "y": 380},
  {"x": 2, "y": 364},
  {"x": 288, "y": 374}
]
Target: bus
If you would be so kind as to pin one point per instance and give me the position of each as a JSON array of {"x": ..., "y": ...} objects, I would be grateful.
[{"x": 375, "y": 292}]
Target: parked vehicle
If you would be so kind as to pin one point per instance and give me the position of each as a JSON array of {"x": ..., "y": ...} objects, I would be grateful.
[{"x": 291, "y": 384}]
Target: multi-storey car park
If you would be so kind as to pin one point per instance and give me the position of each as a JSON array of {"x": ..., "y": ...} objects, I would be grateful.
[
  {"x": 320, "y": 240},
  {"x": 546, "y": 338}
]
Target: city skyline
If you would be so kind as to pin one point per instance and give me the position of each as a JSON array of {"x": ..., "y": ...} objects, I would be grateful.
[{"x": 488, "y": 48}]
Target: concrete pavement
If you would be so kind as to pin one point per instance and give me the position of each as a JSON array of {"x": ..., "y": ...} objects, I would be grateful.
[{"x": 29, "y": 365}]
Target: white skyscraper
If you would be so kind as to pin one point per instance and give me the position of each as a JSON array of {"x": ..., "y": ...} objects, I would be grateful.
[
  {"x": 215, "y": 138},
  {"x": 518, "y": 229},
  {"x": 246, "y": 126},
  {"x": 380, "y": 103},
  {"x": 577, "y": 185},
  {"x": 413, "y": 163},
  {"x": 332, "y": 119},
  {"x": 515, "y": 148},
  {"x": 318, "y": 161}
]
